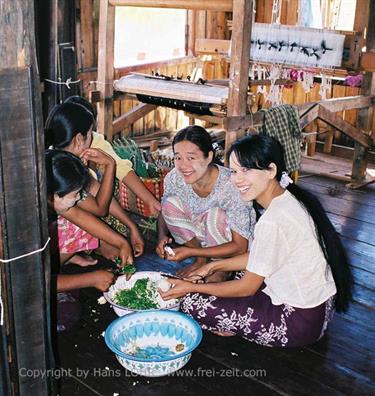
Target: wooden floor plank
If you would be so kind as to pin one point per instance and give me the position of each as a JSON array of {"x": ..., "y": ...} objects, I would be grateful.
[
  {"x": 344, "y": 345},
  {"x": 353, "y": 229},
  {"x": 365, "y": 250},
  {"x": 292, "y": 371},
  {"x": 359, "y": 260},
  {"x": 364, "y": 296},
  {"x": 364, "y": 278},
  {"x": 360, "y": 315},
  {"x": 322, "y": 185},
  {"x": 345, "y": 208}
]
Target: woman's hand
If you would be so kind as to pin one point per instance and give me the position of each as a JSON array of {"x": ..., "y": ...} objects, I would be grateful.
[
  {"x": 180, "y": 253},
  {"x": 97, "y": 156},
  {"x": 179, "y": 289},
  {"x": 161, "y": 245},
  {"x": 101, "y": 279},
  {"x": 126, "y": 254},
  {"x": 137, "y": 242},
  {"x": 199, "y": 274},
  {"x": 155, "y": 208}
]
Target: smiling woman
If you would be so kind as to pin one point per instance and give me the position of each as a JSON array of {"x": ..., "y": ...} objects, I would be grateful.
[{"x": 200, "y": 208}]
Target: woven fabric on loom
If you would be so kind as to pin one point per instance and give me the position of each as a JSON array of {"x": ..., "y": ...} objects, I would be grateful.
[{"x": 282, "y": 123}]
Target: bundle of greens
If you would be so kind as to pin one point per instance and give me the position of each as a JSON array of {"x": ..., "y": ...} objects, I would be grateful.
[
  {"x": 143, "y": 295},
  {"x": 128, "y": 149},
  {"x": 127, "y": 269}
]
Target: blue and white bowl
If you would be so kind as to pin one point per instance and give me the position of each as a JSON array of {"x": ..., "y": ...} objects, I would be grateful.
[{"x": 153, "y": 343}]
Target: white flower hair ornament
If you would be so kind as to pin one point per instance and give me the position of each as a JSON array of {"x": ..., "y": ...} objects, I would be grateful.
[{"x": 285, "y": 180}]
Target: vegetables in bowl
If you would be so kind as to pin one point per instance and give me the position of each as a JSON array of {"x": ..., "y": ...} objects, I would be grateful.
[{"x": 139, "y": 293}]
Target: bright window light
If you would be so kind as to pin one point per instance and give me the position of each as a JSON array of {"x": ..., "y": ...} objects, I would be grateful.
[{"x": 144, "y": 35}]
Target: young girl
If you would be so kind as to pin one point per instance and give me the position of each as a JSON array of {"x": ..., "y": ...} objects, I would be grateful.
[
  {"x": 67, "y": 177},
  {"x": 69, "y": 128},
  {"x": 124, "y": 171},
  {"x": 296, "y": 270},
  {"x": 200, "y": 208}
]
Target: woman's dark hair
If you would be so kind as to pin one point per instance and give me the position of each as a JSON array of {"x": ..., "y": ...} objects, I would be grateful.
[
  {"x": 65, "y": 173},
  {"x": 83, "y": 102},
  {"x": 197, "y": 135},
  {"x": 258, "y": 152},
  {"x": 65, "y": 121}
]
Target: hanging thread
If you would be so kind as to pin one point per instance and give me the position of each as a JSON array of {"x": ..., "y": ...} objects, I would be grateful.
[{"x": 66, "y": 83}]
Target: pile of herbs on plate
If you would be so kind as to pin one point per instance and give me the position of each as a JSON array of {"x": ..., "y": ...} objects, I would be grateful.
[{"x": 141, "y": 296}]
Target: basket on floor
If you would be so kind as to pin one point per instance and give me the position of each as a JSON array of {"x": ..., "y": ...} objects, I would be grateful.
[{"x": 129, "y": 201}]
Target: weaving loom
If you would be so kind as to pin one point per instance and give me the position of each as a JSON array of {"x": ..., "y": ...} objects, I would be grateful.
[
  {"x": 204, "y": 99},
  {"x": 296, "y": 45}
]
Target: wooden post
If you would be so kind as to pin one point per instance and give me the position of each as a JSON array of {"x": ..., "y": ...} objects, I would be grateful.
[
  {"x": 239, "y": 66},
  {"x": 213, "y": 5},
  {"x": 365, "y": 116},
  {"x": 25, "y": 335},
  {"x": 105, "y": 68},
  {"x": 87, "y": 40},
  {"x": 191, "y": 32}
]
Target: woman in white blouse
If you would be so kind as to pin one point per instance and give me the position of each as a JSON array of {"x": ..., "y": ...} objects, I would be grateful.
[{"x": 296, "y": 272}]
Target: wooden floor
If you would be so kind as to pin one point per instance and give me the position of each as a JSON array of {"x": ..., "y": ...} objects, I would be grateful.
[{"x": 342, "y": 363}]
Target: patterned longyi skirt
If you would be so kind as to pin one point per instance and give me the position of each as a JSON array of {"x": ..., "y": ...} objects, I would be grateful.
[{"x": 256, "y": 319}]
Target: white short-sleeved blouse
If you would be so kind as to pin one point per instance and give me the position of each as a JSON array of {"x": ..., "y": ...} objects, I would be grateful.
[{"x": 287, "y": 253}]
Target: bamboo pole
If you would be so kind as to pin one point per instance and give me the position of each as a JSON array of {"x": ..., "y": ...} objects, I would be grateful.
[{"x": 217, "y": 5}]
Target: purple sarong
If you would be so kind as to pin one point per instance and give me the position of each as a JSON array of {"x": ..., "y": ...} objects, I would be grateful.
[{"x": 256, "y": 319}]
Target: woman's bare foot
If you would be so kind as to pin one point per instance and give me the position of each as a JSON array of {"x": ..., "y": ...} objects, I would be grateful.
[
  {"x": 217, "y": 277},
  {"x": 223, "y": 333},
  {"x": 108, "y": 251},
  {"x": 185, "y": 272},
  {"x": 82, "y": 260}
]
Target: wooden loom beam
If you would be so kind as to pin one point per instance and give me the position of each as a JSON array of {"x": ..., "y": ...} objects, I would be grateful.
[
  {"x": 217, "y": 5},
  {"x": 343, "y": 126},
  {"x": 105, "y": 68},
  {"x": 130, "y": 117},
  {"x": 323, "y": 110},
  {"x": 239, "y": 65},
  {"x": 365, "y": 116}
]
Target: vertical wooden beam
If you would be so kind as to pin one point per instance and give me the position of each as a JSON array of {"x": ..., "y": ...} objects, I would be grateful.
[
  {"x": 26, "y": 333},
  {"x": 86, "y": 44},
  {"x": 365, "y": 116},
  {"x": 191, "y": 31},
  {"x": 239, "y": 66},
  {"x": 105, "y": 68},
  {"x": 201, "y": 24}
]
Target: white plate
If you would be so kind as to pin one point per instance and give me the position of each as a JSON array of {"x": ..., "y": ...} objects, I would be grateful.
[{"x": 122, "y": 283}]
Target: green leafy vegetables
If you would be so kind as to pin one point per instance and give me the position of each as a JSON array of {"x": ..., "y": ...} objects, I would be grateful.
[
  {"x": 127, "y": 269},
  {"x": 141, "y": 296}
]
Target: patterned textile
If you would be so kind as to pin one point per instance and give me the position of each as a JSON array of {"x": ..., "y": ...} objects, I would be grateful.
[
  {"x": 282, "y": 123},
  {"x": 240, "y": 215},
  {"x": 210, "y": 227},
  {"x": 73, "y": 239},
  {"x": 256, "y": 319}
]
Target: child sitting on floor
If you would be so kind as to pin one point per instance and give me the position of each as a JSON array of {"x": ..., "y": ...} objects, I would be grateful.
[
  {"x": 69, "y": 128},
  {"x": 67, "y": 178}
]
